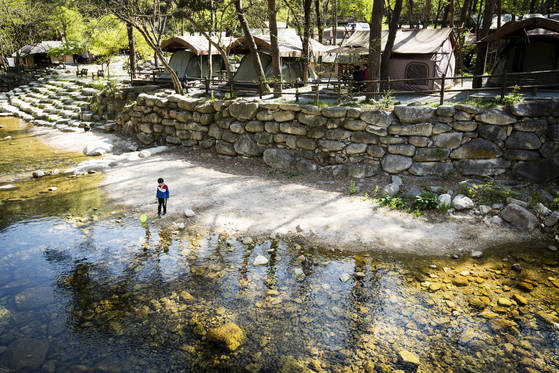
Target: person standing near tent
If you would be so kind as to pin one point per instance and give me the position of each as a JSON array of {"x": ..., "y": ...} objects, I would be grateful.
[{"x": 162, "y": 195}]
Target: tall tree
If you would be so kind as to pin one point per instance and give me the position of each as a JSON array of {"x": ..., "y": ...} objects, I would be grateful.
[
  {"x": 334, "y": 21},
  {"x": 451, "y": 9},
  {"x": 307, "y": 29},
  {"x": 319, "y": 23},
  {"x": 410, "y": 12},
  {"x": 427, "y": 13},
  {"x": 252, "y": 47},
  {"x": 276, "y": 63},
  {"x": 131, "y": 50},
  {"x": 481, "y": 48},
  {"x": 375, "y": 45},
  {"x": 141, "y": 16},
  {"x": 464, "y": 13},
  {"x": 392, "y": 30}
]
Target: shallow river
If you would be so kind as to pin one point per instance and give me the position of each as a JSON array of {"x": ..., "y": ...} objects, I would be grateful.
[{"x": 85, "y": 287}]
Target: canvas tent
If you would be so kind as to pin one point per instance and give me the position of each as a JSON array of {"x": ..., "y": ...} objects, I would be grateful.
[
  {"x": 417, "y": 54},
  {"x": 190, "y": 56},
  {"x": 290, "y": 50},
  {"x": 343, "y": 32},
  {"x": 523, "y": 46},
  {"x": 36, "y": 55}
]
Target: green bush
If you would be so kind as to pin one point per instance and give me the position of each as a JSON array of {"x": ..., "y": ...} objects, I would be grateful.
[
  {"x": 489, "y": 193},
  {"x": 426, "y": 201}
]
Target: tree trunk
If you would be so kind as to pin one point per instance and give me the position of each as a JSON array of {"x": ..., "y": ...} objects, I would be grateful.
[
  {"x": 533, "y": 6},
  {"x": 132, "y": 50},
  {"x": 252, "y": 47},
  {"x": 307, "y": 29},
  {"x": 410, "y": 12},
  {"x": 319, "y": 20},
  {"x": 438, "y": 14},
  {"x": 426, "y": 13},
  {"x": 334, "y": 21},
  {"x": 392, "y": 30},
  {"x": 444, "y": 22},
  {"x": 451, "y": 8},
  {"x": 210, "y": 65},
  {"x": 464, "y": 13},
  {"x": 375, "y": 45},
  {"x": 276, "y": 68},
  {"x": 481, "y": 48}
]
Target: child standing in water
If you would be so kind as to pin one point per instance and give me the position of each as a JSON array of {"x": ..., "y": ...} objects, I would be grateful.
[{"x": 162, "y": 195}]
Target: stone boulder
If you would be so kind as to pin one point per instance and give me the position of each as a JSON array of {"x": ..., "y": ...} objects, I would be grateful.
[
  {"x": 98, "y": 148},
  {"x": 225, "y": 148},
  {"x": 450, "y": 140},
  {"x": 496, "y": 116},
  {"x": 492, "y": 132},
  {"x": 144, "y": 138},
  {"x": 540, "y": 171},
  {"x": 445, "y": 199},
  {"x": 243, "y": 110},
  {"x": 26, "y": 354},
  {"x": 519, "y": 217},
  {"x": 477, "y": 149},
  {"x": 423, "y": 129},
  {"x": 482, "y": 167},
  {"x": 281, "y": 159},
  {"x": 334, "y": 112},
  {"x": 230, "y": 335},
  {"x": 430, "y": 168},
  {"x": 533, "y": 108},
  {"x": 462, "y": 202},
  {"x": 394, "y": 164},
  {"x": 523, "y": 140},
  {"x": 414, "y": 114},
  {"x": 245, "y": 146},
  {"x": 377, "y": 118}
]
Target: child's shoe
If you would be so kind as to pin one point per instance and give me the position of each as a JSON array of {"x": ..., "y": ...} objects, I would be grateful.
[
  {"x": 158, "y": 215},
  {"x": 164, "y": 213}
]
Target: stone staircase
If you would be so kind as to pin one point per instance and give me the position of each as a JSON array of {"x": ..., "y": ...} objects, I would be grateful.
[{"x": 56, "y": 103}]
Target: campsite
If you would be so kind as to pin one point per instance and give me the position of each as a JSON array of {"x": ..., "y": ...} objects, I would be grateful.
[{"x": 279, "y": 186}]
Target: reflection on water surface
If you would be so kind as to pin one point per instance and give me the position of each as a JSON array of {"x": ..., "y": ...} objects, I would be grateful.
[{"x": 86, "y": 291}]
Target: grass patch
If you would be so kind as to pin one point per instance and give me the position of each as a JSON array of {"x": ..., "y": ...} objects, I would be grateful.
[
  {"x": 426, "y": 201},
  {"x": 488, "y": 193}
]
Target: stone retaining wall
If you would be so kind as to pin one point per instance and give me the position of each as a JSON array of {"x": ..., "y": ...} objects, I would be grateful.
[
  {"x": 522, "y": 140},
  {"x": 9, "y": 81}
]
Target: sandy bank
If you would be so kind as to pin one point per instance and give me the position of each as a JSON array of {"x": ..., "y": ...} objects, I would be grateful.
[{"x": 239, "y": 196}]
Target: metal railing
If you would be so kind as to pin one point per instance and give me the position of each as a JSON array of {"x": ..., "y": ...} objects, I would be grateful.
[{"x": 344, "y": 88}]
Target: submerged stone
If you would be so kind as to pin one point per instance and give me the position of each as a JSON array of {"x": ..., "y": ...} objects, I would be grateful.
[{"x": 230, "y": 334}]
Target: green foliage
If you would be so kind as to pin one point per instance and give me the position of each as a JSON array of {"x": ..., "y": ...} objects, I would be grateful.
[
  {"x": 352, "y": 188},
  {"x": 425, "y": 201},
  {"x": 488, "y": 193},
  {"x": 292, "y": 174},
  {"x": 68, "y": 47},
  {"x": 512, "y": 98},
  {"x": 387, "y": 100}
]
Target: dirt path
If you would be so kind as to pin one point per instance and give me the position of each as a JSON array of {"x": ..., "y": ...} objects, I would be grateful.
[{"x": 238, "y": 196}]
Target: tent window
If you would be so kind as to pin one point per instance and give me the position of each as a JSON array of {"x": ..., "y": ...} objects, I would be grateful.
[{"x": 419, "y": 71}]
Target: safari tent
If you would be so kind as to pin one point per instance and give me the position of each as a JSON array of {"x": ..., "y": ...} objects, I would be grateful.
[
  {"x": 417, "y": 54},
  {"x": 524, "y": 46},
  {"x": 36, "y": 55},
  {"x": 290, "y": 50},
  {"x": 190, "y": 56}
]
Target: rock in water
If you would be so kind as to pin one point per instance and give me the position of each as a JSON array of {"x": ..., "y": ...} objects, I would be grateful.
[
  {"x": 38, "y": 173},
  {"x": 409, "y": 357},
  {"x": 344, "y": 277},
  {"x": 52, "y": 189},
  {"x": 260, "y": 260},
  {"x": 247, "y": 240},
  {"x": 477, "y": 253},
  {"x": 26, "y": 353},
  {"x": 229, "y": 334},
  {"x": 461, "y": 202},
  {"x": 189, "y": 213}
]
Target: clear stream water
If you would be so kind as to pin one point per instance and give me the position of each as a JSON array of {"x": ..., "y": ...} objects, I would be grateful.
[{"x": 84, "y": 288}]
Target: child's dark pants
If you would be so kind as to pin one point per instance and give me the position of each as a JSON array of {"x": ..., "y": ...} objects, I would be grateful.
[{"x": 162, "y": 202}]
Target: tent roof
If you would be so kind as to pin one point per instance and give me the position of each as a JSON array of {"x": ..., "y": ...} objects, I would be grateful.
[
  {"x": 289, "y": 45},
  {"x": 42, "y": 47},
  {"x": 413, "y": 41},
  {"x": 197, "y": 44},
  {"x": 522, "y": 27}
]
